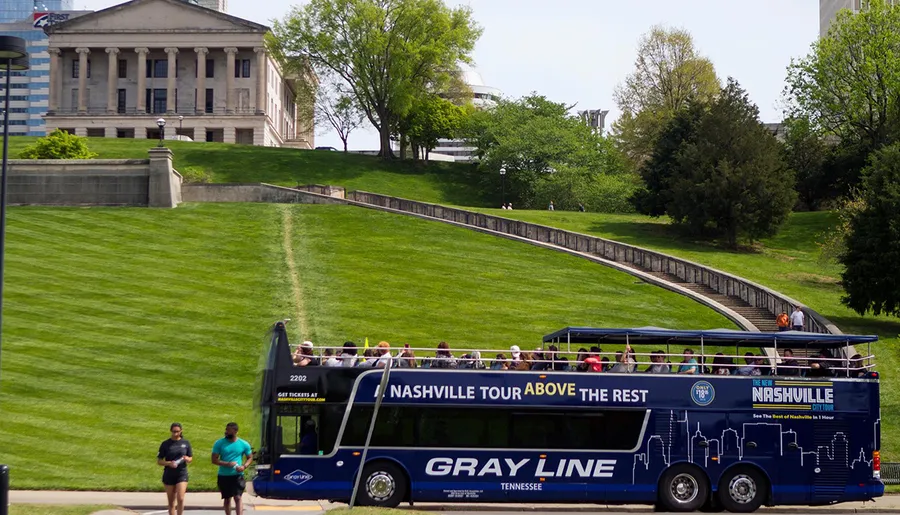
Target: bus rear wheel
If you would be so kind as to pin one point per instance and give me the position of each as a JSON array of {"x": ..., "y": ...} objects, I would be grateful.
[
  {"x": 383, "y": 485},
  {"x": 742, "y": 490},
  {"x": 683, "y": 488}
]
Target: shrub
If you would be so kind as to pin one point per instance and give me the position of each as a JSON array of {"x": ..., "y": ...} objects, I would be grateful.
[
  {"x": 195, "y": 174},
  {"x": 58, "y": 145}
]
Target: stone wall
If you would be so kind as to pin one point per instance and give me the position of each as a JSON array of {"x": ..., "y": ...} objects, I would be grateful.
[
  {"x": 331, "y": 191},
  {"x": 95, "y": 182},
  {"x": 255, "y": 192}
]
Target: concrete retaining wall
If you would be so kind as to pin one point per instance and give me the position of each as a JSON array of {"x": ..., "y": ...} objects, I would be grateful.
[
  {"x": 95, "y": 182},
  {"x": 256, "y": 192}
]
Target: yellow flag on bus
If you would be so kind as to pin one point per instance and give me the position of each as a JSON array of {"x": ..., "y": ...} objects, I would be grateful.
[{"x": 367, "y": 344}]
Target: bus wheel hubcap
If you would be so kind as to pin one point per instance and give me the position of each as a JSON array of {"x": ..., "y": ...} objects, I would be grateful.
[
  {"x": 380, "y": 486},
  {"x": 684, "y": 488},
  {"x": 742, "y": 489}
]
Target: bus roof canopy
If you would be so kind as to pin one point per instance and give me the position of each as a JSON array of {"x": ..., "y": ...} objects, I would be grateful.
[{"x": 658, "y": 335}]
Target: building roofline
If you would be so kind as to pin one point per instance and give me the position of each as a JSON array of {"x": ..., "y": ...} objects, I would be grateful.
[{"x": 61, "y": 26}]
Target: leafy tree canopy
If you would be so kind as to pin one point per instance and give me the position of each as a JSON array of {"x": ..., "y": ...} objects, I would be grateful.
[{"x": 388, "y": 52}]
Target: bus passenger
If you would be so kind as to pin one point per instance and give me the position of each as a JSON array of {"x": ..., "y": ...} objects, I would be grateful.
[
  {"x": 562, "y": 364},
  {"x": 593, "y": 361},
  {"x": 789, "y": 366},
  {"x": 175, "y": 454},
  {"x": 500, "y": 363},
  {"x": 856, "y": 366},
  {"x": 382, "y": 354},
  {"x": 722, "y": 365},
  {"x": 309, "y": 439},
  {"x": 605, "y": 362},
  {"x": 476, "y": 362},
  {"x": 328, "y": 358},
  {"x": 820, "y": 367},
  {"x": 524, "y": 363},
  {"x": 539, "y": 362},
  {"x": 657, "y": 364},
  {"x": 580, "y": 365},
  {"x": 516, "y": 354},
  {"x": 304, "y": 357},
  {"x": 443, "y": 358},
  {"x": 625, "y": 363},
  {"x": 689, "y": 364},
  {"x": 751, "y": 368},
  {"x": 348, "y": 355},
  {"x": 407, "y": 358}
]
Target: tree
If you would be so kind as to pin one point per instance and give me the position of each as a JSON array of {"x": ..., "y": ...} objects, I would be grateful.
[
  {"x": 338, "y": 110},
  {"x": 725, "y": 177},
  {"x": 668, "y": 73},
  {"x": 58, "y": 144},
  {"x": 806, "y": 153},
  {"x": 535, "y": 140},
  {"x": 654, "y": 197},
  {"x": 871, "y": 255},
  {"x": 431, "y": 119},
  {"x": 388, "y": 52},
  {"x": 849, "y": 84}
]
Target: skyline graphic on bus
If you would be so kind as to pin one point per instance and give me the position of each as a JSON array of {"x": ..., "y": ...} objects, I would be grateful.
[{"x": 737, "y": 445}]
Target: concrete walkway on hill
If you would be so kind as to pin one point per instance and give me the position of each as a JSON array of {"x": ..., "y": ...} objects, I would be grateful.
[{"x": 144, "y": 501}]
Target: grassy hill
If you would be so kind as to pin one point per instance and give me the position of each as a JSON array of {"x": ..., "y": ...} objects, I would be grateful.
[
  {"x": 450, "y": 183},
  {"x": 789, "y": 262},
  {"x": 121, "y": 321}
]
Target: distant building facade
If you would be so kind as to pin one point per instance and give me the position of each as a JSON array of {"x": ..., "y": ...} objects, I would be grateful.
[
  {"x": 828, "y": 10},
  {"x": 29, "y": 90},
  {"x": 114, "y": 72},
  {"x": 12, "y": 11}
]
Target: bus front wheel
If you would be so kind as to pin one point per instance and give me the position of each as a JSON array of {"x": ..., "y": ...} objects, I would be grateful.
[
  {"x": 742, "y": 490},
  {"x": 683, "y": 488},
  {"x": 383, "y": 485}
]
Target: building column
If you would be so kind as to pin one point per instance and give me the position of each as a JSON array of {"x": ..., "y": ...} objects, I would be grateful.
[
  {"x": 229, "y": 80},
  {"x": 81, "y": 132},
  {"x": 262, "y": 71},
  {"x": 110, "y": 132},
  {"x": 199, "y": 133},
  {"x": 171, "y": 56},
  {"x": 229, "y": 135},
  {"x": 55, "y": 73},
  {"x": 200, "y": 106},
  {"x": 82, "y": 78},
  {"x": 142, "y": 79},
  {"x": 111, "y": 80}
]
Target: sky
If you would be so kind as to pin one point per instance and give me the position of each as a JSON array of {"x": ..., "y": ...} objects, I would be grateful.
[{"x": 577, "y": 51}]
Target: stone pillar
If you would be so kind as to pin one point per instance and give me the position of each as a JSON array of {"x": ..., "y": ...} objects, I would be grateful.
[
  {"x": 55, "y": 75},
  {"x": 171, "y": 56},
  {"x": 81, "y": 132},
  {"x": 200, "y": 106},
  {"x": 165, "y": 188},
  {"x": 199, "y": 133},
  {"x": 142, "y": 79},
  {"x": 261, "y": 73},
  {"x": 229, "y": 135},
  {"x": 229, "y": 80},
  {"x": 112, "y": 80},
  {"x": 110, "y": 132},
  {"x": 82, "y": 78}
]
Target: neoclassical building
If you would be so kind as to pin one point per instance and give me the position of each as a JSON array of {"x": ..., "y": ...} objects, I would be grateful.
[{"x": 115, "y": 72}]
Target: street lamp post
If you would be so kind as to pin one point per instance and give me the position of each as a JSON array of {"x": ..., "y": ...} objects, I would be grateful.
[
  {"x": 180, "y": 124},
  {"x": 161, "y": 123},
  {"x": 503, "y": 184},
  {"x": 13, "y": 57}
]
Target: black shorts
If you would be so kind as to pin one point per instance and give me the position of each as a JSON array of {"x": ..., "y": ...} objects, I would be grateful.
[
  {"x": 174, "y": 476},
  {"x": 231, "y": 486}
]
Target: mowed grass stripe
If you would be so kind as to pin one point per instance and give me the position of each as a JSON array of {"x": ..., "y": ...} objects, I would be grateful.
[{"x": 104, "y": 348}]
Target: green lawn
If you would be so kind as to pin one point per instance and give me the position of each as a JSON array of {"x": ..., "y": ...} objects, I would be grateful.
[
  {"x": 435, "y": 182},
  {"x": 789, "y": 263},
  {"x": 120, "y": 321}
]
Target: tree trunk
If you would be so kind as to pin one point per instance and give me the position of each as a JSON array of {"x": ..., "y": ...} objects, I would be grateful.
[
  {"x": 345, "y": 145},
  {"x": 404, "y": 146},
  {"x": 385, "y": 137}
]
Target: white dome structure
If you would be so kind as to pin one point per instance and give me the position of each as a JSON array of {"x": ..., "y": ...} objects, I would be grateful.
[{"x": 482, "y": 95}]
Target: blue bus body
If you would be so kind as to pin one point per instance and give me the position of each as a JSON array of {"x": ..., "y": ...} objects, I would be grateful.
[{"x": 501, "y": 436}]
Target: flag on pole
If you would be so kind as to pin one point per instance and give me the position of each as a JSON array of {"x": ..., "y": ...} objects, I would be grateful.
[{"x": 367, "y": 344}]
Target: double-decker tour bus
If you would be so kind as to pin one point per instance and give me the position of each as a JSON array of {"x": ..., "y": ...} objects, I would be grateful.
[{"x": 772, "y": 429}]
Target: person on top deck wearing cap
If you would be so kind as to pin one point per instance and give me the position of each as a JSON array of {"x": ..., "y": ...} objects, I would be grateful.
[{"x": 304, "y": 357}]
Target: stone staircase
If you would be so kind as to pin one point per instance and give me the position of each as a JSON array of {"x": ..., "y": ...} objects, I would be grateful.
[{"x": 761, "y": 318}]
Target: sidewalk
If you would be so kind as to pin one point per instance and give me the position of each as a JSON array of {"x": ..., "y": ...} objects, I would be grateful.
[{"x": 212, "y": 500}]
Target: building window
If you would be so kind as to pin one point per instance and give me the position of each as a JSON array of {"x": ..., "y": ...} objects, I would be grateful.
[
  {"x": 158, "y": 68},
  {"x": 241, "y": 68},
  {"x": 76, "y": 65},
  {"x": 209, "y": 100},
  {"x": 123, "y": 69},
  {"x": 121, "y": 101},
  {"x": 210, "y": 68},
  {"x": 156, "y": 100}
]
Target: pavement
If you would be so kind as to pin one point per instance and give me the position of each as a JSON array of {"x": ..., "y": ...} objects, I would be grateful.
[{"x": 201, "y": 503}]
